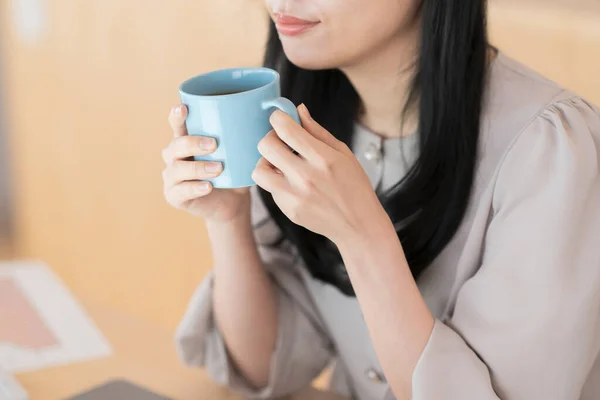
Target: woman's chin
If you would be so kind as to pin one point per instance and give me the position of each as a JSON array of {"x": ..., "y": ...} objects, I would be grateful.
[{"x": 312, "y": 58}]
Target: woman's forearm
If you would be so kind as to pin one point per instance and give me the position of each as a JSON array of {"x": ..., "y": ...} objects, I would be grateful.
[
  {"x": 396, "y": 314},
  {"x": 244, "y": 300}
]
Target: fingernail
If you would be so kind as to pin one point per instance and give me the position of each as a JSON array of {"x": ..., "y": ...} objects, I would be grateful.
[
  {"x": 207, "y": 143},
  {"x": 275, "y": 114},
  {"x": 177, "y": 111},
  {"x": 305, "y": 111},
  {"x": 204, "y": 187},
  {"x": 212, "y": 167}
]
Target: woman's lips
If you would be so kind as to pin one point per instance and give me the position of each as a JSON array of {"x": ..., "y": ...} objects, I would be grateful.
[{"x": 292, "y": 26}]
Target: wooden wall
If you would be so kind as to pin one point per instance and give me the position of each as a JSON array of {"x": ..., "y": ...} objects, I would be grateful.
[
  {"x": 87, "y": 106},
  {"x": 559, "y": 38}
]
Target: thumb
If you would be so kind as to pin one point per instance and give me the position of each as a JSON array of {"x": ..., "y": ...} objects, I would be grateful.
[{"x": 316, "y": 130}]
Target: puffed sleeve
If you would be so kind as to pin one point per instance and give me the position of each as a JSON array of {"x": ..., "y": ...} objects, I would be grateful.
[
  {"x": 303, "y": 348},
  {"x": 526, "y": 326}
]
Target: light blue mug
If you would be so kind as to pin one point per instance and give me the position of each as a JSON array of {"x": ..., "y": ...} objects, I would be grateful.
[{"x": 233, "y": 106}]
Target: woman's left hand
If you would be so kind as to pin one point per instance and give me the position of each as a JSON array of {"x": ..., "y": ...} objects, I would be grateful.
[{"x": 323, "y": 187}]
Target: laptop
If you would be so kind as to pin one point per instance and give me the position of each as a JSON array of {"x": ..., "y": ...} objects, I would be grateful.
[{"x": 118, "y": 390}]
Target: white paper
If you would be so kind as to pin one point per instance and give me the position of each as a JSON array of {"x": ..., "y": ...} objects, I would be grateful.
[{"x": 77, "y": 337}]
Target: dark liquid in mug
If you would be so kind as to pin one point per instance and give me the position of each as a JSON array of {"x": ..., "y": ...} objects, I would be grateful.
[{"x": 224, "y": 93}]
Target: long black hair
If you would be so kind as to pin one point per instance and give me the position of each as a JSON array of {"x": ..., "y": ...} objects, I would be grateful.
[{"x": 428, "y": 205}]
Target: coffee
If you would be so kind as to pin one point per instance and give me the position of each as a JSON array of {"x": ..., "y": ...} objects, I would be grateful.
[{"x": 224, "y": 93}]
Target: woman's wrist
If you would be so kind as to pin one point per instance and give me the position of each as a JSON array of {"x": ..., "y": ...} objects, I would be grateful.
[
  {"x": 376, "y": 230},
  {"x": 233, "y": 245},
  {"x": 239, "y": 222}
]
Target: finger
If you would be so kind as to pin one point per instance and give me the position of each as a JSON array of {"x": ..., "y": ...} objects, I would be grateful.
[
  {"x": 180, "y": 194},
  {"x": 181, "y": 171},
  {"x": 317, "y": 131},
  {"x": 183, "y": 147},
  {"x": 267, "y": 178},
  {"x": 264, "y": 163},
  {"x": 276, "y": 152},
  {"x": 177, "y": 118},
  {"x": 294, "y": 135}
]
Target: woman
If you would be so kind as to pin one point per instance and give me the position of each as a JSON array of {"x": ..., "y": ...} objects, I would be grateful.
[{"x": 434, "y": 230}]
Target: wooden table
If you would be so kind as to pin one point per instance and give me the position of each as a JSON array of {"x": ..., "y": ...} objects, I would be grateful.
[{"x": 144, "y": 354}]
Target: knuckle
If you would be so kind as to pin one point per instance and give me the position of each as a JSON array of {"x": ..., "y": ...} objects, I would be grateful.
[
  {"x": 331, "y": 165},
  {"x": 181, "y": 196},
  {"x": 293, "y": 216},
  {"x": 261, "y": 146},
  {"x": 177, "y": 170},
  {"x": 196, "y": 169},
  {"x": 261, "y": 163},
  {"x": 295, "y": 209},
  {"x": 306, "y": 184},
  {"x": 279, "y": 118},
  {"x": 174, "y": 121},
  {"x": 166, "y": 155},
  {"x": 282, "y": 134},
  {"x": 322, "y": 163},
  {"x": 181, "y": 144},
  {"x": 191, "y": 192},
  {"x": 171, "y": 200},
  {"x": 329, "y": 168},
  {"x": 273, "y": 136},
  {"x": 257, "y": 174},
  {"x": 265, "y": 143},
  {"x": 270, "y": 137},
  {"x": 175, "y": 166}
]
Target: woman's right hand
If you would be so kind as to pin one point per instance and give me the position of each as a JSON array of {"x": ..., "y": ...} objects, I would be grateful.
[{"x": 185, "y": 180}]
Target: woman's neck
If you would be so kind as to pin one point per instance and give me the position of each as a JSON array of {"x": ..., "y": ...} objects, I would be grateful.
[{"x": 383, "y": 81}]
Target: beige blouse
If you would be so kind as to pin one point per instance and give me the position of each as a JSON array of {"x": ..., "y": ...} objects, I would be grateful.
[{"x": 516, "y": 293}]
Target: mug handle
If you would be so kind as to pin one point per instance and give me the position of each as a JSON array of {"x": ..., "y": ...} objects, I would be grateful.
[{"x": 284, "y": 105}]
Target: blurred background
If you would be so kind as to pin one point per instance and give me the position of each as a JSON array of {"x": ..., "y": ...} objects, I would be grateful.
[{"x": 85, "y": 89}]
